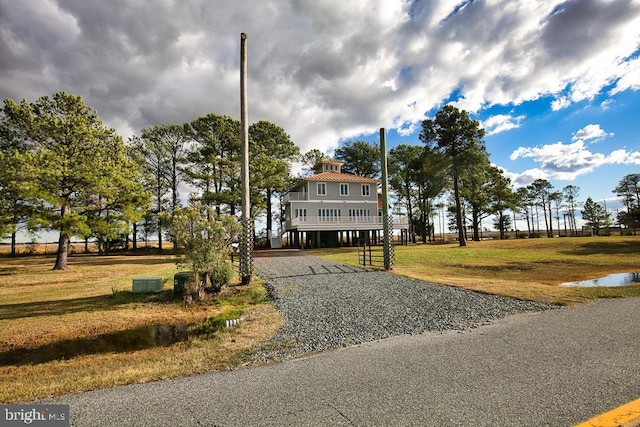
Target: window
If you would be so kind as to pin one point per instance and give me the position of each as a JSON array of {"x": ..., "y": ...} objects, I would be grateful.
[
  {"x": 360, "y": 215},
  {"x": 301, "y": 214},
  {"x": 344, "y": 189},
  {"x": 332, "y": 215},
  {"x": 365, "y": 190},
  {"x": 322, "y": 189}
]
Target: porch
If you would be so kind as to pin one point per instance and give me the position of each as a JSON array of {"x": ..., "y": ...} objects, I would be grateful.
[{"x": 350, "y": 223}]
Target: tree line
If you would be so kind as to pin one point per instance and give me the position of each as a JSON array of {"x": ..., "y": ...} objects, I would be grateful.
[
  {"x": 63, "y": 169},
  {"x": 450, "y": 175}
]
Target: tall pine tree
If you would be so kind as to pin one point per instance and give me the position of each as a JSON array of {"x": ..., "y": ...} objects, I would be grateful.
[
  {"x": 455, "y": 135},
  {"x": 70, "y": 165}
]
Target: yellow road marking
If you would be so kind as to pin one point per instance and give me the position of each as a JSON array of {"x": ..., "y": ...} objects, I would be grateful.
[{"x": 627, "y": 415}]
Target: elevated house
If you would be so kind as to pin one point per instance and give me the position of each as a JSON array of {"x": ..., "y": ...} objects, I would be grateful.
[{"x": 331, "y": 208}]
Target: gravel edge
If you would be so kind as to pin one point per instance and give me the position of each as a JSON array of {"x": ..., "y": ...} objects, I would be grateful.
[{"x": 328, "y": 305}]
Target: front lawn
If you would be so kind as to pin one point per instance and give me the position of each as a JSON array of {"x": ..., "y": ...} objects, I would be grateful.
[
  {"x": 530, "y": 269},
  {"x": 40, "y": 307}
]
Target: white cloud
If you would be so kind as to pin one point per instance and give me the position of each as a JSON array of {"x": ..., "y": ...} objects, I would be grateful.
[
  {"x": 624, "y": 157},
  {"x": 527, "y": 177},
  {"x": 590, "y": 132},
  {"x": 589, "y": 42},
  {"x": 606, "y": 104},
  {"x": 560, "y": 103},
  {"x": 568, "y": 161},
  {"x": 323, "y": 70},
  {"x": 629, "y": 77},
  {"x": 501, "y": 123}
]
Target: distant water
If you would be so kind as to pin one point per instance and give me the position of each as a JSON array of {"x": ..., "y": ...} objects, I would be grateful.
[{"x": 619, "y": 279}]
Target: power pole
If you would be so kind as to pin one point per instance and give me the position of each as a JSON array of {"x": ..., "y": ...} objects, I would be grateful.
[
  {"x": 246, "y": 240},
  {"x": 387, "y": 225}
]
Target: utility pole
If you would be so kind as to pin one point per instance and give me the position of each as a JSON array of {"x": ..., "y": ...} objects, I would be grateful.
[
  {"x": 386, "y": 219},
  {"x": 246, "y": 240}
]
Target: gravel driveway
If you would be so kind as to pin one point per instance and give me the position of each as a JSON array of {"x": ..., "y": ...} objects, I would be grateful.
[{"x": 327, "y": 304}]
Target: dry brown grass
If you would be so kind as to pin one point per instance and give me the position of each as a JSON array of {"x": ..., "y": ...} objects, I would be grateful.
[
  {"x": 50, "y": 248},
  {"x": 23, "y": 383},
  {"x": 528, "y": 269},
  {"x": 39, "y": 306}
]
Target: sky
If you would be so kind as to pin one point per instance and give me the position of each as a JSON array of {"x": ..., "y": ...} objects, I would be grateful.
[{"x": 555, "y": 84}]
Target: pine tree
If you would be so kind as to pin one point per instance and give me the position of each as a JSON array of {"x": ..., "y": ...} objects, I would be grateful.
[
  {"x": 454, "y": 134},
  {"x": 70, "y": 167}
]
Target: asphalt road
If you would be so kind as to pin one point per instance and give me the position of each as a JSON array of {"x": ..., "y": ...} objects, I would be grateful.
[{"x": 556, "y": 368}]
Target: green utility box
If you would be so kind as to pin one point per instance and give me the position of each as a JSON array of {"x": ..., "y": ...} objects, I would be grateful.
[
  {"x": 147, "y": 285},
  {"x": 180, "y": 281}
]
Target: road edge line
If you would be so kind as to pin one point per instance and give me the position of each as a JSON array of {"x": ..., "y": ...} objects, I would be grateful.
[{"x": 627, "y": 415}]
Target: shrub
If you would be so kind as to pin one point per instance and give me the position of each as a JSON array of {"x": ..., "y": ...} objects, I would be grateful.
[
  {"x": 204, "y": 239},
  {"x": 221, "y": 275}
]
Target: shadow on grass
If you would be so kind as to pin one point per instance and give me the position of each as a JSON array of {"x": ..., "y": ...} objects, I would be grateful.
[
  {"x": 13, "y": 265},
  {"x": 506, "y": 267},
  {"x": 97, "y": 303},
  {"x": 604, "y": 248},
  {"x": 105, "y": 260},
  {"x": 119, "y": 342},
  {"x": 8, "y": 271}
]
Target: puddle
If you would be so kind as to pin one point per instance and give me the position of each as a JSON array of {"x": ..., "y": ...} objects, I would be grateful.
[
  {"x": 619, "y": 279},
  {"x": 119, "y": 342}
]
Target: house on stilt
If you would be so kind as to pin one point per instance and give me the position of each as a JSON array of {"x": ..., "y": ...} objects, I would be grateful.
[{"x": 332, "y": 208}]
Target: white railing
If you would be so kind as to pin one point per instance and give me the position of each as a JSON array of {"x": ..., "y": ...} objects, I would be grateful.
[
  {"x": 348, "y": 222},
  {"x": 295, "y": 197}
]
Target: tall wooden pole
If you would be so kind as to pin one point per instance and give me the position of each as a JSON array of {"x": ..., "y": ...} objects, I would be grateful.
[
  {"x": 246, "y": 241},
  {"x": 386, "y": 219}
]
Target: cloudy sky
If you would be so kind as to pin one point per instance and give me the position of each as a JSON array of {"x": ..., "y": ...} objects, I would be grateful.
[{"x": 555, "y": 84}]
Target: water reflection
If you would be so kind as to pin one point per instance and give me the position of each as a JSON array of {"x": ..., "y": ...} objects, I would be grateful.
[
  {"x": 619, "y": 279},
  {"x": 119, "y": 342}
]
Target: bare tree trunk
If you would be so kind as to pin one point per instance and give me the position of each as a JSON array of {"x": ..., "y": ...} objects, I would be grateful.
[
  {"x": 13, "y": 244},
  {"x": 475, "y": 220},
  {"x": 63, "y": 243},
  {"x": 159, "y": 236},
  {"x": 546, "y": 220},
  {"x": 63, "y": 252},
  {"x": 159, "y": 195},
  {"x": 550, "y": 220},
  {"x": 526, "y": 214},
  {"x": 411, "y": 230},
  {"x": 461, "y": 233},
  {"x": 269, "y": 219},
  {"x": 134, "y": 242}
]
